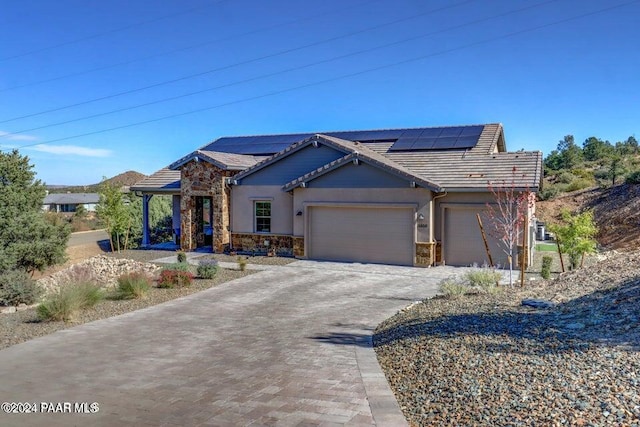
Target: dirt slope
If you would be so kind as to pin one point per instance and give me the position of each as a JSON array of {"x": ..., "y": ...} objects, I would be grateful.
[{"x": 616, "y": 212}]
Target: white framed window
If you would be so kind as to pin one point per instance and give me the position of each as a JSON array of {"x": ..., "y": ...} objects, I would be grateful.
[{"x": 262, "y": 215}]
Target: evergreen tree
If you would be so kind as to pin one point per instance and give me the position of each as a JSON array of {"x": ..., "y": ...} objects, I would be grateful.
[
  {"x": 570, "y": 152},
  {"x": 28, "y": 241}
]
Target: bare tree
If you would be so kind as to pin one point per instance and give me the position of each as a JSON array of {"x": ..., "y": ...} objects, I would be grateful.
[{"x": 507, "y": 215}]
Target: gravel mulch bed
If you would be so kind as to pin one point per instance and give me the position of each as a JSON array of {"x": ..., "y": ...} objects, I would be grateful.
[
  {"x": 25, "y": 325},
  {"x": 261, "y": 260},
  {"x": 488, "y": 360},
  {"x": 142, "y": 255},
  {"x": 146, "y": 255}
]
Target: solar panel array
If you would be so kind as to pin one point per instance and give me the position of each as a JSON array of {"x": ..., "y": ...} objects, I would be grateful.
[
  {"x": 406, "y": 139},
  {"x": 438, "y": 138}
]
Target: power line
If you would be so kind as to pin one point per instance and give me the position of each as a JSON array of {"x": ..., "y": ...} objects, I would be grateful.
[
  {"x": 190, "y": 47},
  {"x": 296, "y": 68},
  {"x": 226, "y": 67},
  {"x": 342, "y": 77},
  {"x": 115, "y": 30}
]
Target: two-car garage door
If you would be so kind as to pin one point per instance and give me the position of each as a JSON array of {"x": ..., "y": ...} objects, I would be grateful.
[{"x": 361, "y": 234}]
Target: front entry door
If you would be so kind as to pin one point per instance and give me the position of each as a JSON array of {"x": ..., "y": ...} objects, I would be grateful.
[{"x": 204, "y": 221}]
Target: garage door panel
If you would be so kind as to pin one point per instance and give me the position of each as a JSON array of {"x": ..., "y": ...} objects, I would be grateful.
[
  {"x": 463, "y": 240},
  {"x": 377, "y": 235}
]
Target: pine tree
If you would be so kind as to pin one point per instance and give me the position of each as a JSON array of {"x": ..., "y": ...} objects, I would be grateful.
[{"x": 28, "y": 241}]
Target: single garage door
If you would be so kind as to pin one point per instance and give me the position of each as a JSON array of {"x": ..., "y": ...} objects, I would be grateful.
[
  {"x": 463, "y": 243},
  {"x": 376, "y": 235}
]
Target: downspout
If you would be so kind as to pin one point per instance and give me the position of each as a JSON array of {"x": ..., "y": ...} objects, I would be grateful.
[{"x": 432, "y": 215}]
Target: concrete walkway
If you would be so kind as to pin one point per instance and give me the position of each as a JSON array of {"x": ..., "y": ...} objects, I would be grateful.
[{"x": 289, "y": 346}]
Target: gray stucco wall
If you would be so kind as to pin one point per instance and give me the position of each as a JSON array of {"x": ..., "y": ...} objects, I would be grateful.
[
  {"x": 358, "y": 176},
  {"x": 242, "y": 201},
  {"x": 295, "y": 165}
]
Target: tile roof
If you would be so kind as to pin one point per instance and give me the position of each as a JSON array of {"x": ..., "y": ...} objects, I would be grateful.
[
  {"x": 163, "y": 181},
  {"x": 455, "y": 169},
  {"x": 225, "y": 161}
]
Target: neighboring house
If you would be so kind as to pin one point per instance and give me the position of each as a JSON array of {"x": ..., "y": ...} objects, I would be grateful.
[
  {"x": 69, "y": 202},
  {"x": 401, "y": 196}
]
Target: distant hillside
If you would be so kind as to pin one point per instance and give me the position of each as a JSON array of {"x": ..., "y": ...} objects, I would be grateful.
[
  {"x": 616, "y": 212},
  {"x": 125, "y": 179}
]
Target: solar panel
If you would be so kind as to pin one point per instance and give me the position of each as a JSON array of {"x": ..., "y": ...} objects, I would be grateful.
[
  {"x": 451, "y": 132},
  {"x": 472, "y": 130},
  {"x": 466, "y": 142},
  {"x": 424, "y": 143},
  {"x": 431, "y": 132},
  {"x": 400, "y": 145},
  {"x": 369, "y": 135}
]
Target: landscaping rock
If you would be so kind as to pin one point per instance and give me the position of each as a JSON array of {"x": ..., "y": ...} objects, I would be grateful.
[
  {"x": 100, "y": 269},
  {"x": 538, "y": 303},
  {"x": 490, "y": 360}
]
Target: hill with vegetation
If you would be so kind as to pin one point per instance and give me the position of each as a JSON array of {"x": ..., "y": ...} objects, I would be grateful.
[
  {"x": 599, "y": 176},
  {"x": 125, "y": 179}
]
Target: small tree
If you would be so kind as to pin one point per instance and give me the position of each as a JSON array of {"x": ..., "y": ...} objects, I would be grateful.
[
  {"x": 576, "y": 236},
  {"x": 507, "y": 215},
  {"x": 28, "y": 241},
  {"x": 114, "y": 213}
]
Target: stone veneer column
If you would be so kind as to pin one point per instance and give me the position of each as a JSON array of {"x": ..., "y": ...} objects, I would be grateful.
[{"x": 200, "y": 178}]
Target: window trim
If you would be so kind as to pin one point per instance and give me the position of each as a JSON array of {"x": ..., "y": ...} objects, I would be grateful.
[{"x": 256, "y": 217}]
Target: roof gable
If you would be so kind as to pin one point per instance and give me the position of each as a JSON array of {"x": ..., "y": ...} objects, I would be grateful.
[
  {"x": 291, "y": 150},
  {"x": 224, "y": 161},
  {"x": 359, "y": 152}
]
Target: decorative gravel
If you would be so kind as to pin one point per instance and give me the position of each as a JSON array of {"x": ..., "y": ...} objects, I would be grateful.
[
  {"x": 261, "y": 260},
  {"x": 488, "y": 360},
  {"x": 142, "y": 255},
  {"x": 146, "y": 255},
  {"x": 25, "y": 325}
]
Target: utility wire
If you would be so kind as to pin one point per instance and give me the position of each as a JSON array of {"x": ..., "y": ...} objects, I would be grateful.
[
  {"x": 190, "y": 47},
  {"x": 248, "y": 61},
  {"x": 115, "y": 30},
  {"x": 287, "y": 70},
  {"x": 344, "y": 76}
]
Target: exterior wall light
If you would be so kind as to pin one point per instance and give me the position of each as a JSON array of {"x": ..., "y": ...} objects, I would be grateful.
[
  {"x": 299, "y": 213},
  {"x": 421, "y": 217}
]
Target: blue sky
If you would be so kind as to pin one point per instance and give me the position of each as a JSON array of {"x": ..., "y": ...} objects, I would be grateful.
[{"x": 543, "y": 68}]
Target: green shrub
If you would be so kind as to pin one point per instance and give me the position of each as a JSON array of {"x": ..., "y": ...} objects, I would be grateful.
[
  {"x": 484, "y": 278},
  {"x": 453, "y": 288},
  {"x": 242, "y": 263},
  {"x": 564, "y": 177},
  {"x": 174, "y": 278},
  {"x": 580, "y": 184},
  {"x": 582, "y": 173},
  {"x": 16, "y": 287},
  {"x": 177, "y": 266},
  {"x": 549, "y": 192},
  {"x": 182, "y": 257},
  {"x": 207, "y": 268},
  {"x": 545, "y": 272},
  {"x": 133, "y": 285},
  {"x": 633, "y": 178},
  {"x": 69, "y": 300}
]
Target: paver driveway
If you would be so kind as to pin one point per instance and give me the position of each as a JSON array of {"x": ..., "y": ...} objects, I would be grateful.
[{"x": 288, "y": 346}]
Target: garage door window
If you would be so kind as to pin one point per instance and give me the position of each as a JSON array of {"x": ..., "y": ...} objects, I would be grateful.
[{"x": 263, "y": 217}]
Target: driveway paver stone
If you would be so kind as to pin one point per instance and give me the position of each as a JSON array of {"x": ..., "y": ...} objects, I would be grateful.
[{"x": 286, "y": 346}]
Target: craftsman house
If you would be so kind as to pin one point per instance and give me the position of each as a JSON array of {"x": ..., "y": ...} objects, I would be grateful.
[{"x": 401, "y": 196}]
